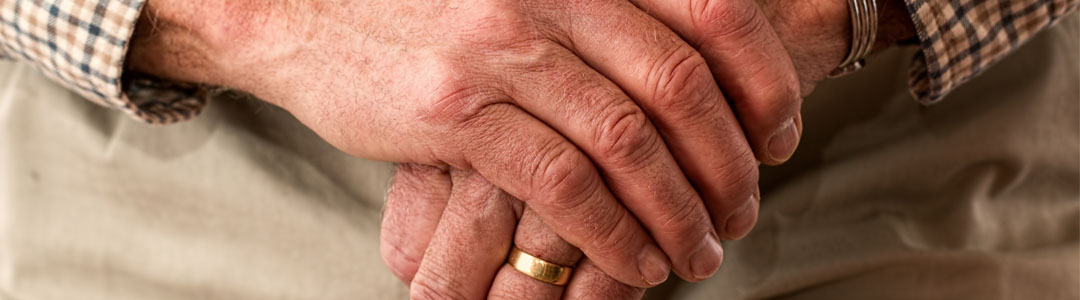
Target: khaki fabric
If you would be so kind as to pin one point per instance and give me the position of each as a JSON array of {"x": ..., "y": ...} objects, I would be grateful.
[
  {"x": 974, "y": 198},
  {"x": 242, "y": 203}
]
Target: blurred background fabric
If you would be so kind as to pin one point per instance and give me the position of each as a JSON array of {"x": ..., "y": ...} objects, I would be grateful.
[
  {"x": 977, "y": 197},
  {"x": 242, "y": 203}
]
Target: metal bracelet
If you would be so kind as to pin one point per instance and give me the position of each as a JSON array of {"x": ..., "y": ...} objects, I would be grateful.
[{"x": 864, "y": 26}]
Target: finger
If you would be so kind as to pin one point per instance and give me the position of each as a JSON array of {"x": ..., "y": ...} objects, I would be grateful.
[
  {"x": 530, "y": 161},
  {"x": 589, "y": 282},
  {"x": 414, "y": 206},
  {"x": 673, "y": 83},
  {"x": 533, "y": 237},
  {"x": 632, "y": 156},
  {"x": 749, "y": 61},
  {"x": 670, "y": 81},
  {"x": 470, "y": 243}
]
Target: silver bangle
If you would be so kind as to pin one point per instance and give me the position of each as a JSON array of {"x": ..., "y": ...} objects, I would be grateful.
[{"x": 864, "y": 23}]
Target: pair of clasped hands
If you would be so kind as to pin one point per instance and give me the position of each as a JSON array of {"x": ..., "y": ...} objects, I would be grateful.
[{"x": 619, "y": 137}]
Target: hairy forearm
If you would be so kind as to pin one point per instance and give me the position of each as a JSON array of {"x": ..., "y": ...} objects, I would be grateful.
[
  {"x": 207, "y": 42},
  {"x": 169, "y": 42}
]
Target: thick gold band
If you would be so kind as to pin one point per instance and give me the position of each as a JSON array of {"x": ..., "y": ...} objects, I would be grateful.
[{"x": 537, "y": 268}]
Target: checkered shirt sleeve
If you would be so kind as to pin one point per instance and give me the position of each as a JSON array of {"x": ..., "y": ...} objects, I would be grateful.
[
  {"x": 961, "y": 38},
  {"x": 81, "y": 44}
]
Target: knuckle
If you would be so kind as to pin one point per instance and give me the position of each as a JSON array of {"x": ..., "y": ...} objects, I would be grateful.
[
  {"x": 608, "y": 240},
  {"x": 400, "y": 262},
  {"x": 415, "y": 171},
  {"x": 738, "y": 175},
  {"x": 537, "y": 57},
  {"x": 494, "y": 27},
  {"x": 603, "y": 286},
  {"x": 681, "y": 216},
  {"x": 725, "y": 19},
  {"x": 790, "y": 92},
  {"x": 400, "y": 253},
  {"x": 484, "y": 127},
  {"x": 416, "y": 179},
  {"x": 458, "y": 101},
  {"x": 581, "y": 5},
  {"x": 681, "y": 82},
  {"x": 473, "y": 192},
  {"x": 510, "y": 289},
  {"x": 476, "y": 207},
  {"x": 782, "y": 101},
  {"x": 788, "y": 89},
  {"x": 430, "y": 286},
  {"x": 625, "y": 138},
  {"x": 778, "y": 97},
  {"x": 565, "y": 179}
]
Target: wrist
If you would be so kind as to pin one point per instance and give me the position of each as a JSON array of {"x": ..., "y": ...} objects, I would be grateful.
[
  {"x": 895, "y": 24},
  {"x": 197, "y": 42},
  {"x": 818, "y": 33}
]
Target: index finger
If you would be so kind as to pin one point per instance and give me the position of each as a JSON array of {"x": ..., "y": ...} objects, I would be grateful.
[
  {"x": 671, "y": 82},
  {"x": 531, "y": 161},
  {"x": 749, "y": 61}
]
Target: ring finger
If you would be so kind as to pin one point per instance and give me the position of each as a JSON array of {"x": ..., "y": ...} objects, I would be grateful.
[
  {"x": 534, "y": 238},
  {"x": 587, "y": 281}
]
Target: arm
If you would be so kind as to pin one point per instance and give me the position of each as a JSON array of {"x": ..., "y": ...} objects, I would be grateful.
[
  {"x": 80, "y": 45},
  {"x": 961, "y": 38},
  {"x": 503, "y": 89}
]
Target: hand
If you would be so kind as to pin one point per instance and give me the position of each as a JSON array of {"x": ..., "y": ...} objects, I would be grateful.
[
  {"x": 817, "y": 33},
  {"x": 470, "y": 225},
  {"x": 528, "y": 93},
  {"x": 817, "y": 36}
]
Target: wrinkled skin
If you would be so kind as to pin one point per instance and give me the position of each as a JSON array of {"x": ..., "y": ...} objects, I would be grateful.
[
  {"x": 817, "y": 35},
  {"x": 607, "y": 121},
  {"x": 599, "y": 117}
]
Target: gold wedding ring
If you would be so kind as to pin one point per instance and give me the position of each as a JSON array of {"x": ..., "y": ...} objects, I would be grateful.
[{"x": 537, "y": 268}]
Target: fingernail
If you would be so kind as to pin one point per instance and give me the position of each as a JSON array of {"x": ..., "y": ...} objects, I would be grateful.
[
  {"x": 740, "y": 222},
  {"x": 653, "y": 265},
  {"x": 708, "y": 257},
  {"x": 783, "y": 142}
]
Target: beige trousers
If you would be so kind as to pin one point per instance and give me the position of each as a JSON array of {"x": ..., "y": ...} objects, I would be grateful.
[{"x": 974, "y": 198}]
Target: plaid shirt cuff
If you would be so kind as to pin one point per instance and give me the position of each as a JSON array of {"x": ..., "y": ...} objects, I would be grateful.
[
  {"x": 961, "y": 38},
  {"x": 81, "y": 44}
]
